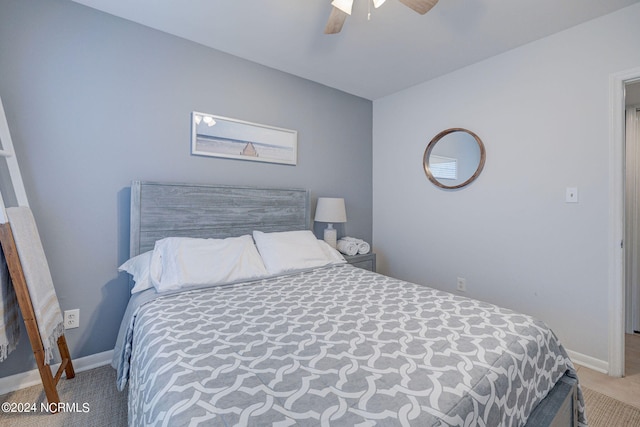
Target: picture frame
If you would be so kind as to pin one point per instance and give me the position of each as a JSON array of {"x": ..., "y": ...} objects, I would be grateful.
[{"x": 218, "y": 136}]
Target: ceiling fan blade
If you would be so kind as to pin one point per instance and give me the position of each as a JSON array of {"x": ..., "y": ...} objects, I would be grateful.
[
  {"x": 420, "y": 6},
  {"x": 336, "y": 21}
]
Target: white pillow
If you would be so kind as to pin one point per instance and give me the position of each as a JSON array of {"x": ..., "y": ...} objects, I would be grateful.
[
  {"x": 290, "y": 251},
  {"x": 138, "y": 267},
  {"x": 332, "y": 254},
  {"x": 180, "y": 262}
]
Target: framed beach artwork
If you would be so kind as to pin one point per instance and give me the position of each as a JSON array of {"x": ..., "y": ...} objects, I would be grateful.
[{"x": 217, "y": 136}]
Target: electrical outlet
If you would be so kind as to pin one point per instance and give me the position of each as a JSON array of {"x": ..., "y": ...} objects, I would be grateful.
[
  {"x": 72, "y": 319},
  {"x": 462, "y": 284}
]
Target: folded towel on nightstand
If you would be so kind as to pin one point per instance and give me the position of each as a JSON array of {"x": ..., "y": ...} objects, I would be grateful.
[
  {"x": 362, "y": 246},
  {"x": 347, "y": 247}
]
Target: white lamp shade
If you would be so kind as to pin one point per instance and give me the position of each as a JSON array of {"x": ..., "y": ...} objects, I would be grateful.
[
  {"x": 331, "y": 210},
  {"x": 343, "y": 5}
]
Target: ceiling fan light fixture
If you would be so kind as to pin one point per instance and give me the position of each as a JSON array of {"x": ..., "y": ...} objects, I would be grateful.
[
  {"x": 343, "y": 5},
  {"x": 378, "y": 3}
]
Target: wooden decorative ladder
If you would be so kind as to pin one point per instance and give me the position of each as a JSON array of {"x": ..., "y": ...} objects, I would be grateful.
[{"x": 49, "y": 381}]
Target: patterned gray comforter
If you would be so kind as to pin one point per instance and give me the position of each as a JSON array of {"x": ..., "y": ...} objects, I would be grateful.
[{"x": 333, "y": 346}]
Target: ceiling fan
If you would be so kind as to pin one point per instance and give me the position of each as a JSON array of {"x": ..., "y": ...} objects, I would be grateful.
[{"x": 342, "y": 8}]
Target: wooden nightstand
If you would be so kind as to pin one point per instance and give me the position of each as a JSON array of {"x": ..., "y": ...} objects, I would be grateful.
[{"x": 366, "y": 261}]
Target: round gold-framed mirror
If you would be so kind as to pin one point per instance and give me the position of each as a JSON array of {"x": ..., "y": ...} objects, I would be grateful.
[{"x": 454, "y": 158}]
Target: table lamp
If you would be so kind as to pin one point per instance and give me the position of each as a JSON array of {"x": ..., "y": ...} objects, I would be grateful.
[{"x": 330, "y": 210}]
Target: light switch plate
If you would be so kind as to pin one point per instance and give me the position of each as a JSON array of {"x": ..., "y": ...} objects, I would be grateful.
[{"x": 571, "y": 195}]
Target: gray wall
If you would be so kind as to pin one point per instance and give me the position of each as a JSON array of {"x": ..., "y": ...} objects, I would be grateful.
[{"x": 94, "y": 101}]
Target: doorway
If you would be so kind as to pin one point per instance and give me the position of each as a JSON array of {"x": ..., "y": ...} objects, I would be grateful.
[
  {"x": 632, "y": 208},
  {"x": 617, "y": 285}
]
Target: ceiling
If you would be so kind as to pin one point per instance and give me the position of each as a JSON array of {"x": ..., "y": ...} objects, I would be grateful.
[
  {"x": 632, "y": 94},
  {"x": 396, "y": 49}
]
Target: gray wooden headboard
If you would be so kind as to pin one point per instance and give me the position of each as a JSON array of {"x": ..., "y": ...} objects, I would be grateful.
[{"x": 160, "y": 210}]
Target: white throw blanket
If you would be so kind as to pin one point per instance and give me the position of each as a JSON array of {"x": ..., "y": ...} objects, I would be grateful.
[
  {"x": 9, "y": 326},
  {"x": 363, "y": 247},
  {"x": 38, "y": 278}
]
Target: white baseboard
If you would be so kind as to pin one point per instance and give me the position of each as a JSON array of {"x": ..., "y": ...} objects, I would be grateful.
[
  {"x": 589, "y": 362},
  {"x": 29, "y": 378}
]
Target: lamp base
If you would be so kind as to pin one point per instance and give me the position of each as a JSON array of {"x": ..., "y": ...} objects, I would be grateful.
[{"x": 331, "y": 236}]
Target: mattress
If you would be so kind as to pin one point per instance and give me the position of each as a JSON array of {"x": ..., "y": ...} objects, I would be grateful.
[{"x": 333, "y": 346}]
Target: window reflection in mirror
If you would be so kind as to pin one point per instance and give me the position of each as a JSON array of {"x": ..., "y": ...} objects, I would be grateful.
[
  {"x": 454, "y": 158},
  {"x": 443, "y": 167}
]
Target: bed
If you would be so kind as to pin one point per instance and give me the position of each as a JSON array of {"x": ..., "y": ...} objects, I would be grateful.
[{"x": 321, "y": 345}]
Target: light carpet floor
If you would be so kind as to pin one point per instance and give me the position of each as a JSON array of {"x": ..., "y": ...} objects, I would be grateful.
[
  {"x": 93, "y": 391},
  {"x": 604, "y": 411},
  {"x": 96, "y": 402}
]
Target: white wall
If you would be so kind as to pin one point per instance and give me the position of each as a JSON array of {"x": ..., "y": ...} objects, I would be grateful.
[{"x": 542, "y": 112}]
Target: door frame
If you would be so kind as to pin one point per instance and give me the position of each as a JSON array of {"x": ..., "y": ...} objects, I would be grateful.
[
  {"x": 617, "y": 283},
  {"x": 632, "y": 302}
]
